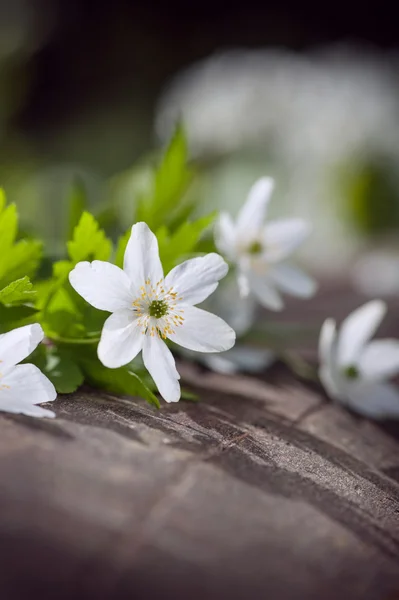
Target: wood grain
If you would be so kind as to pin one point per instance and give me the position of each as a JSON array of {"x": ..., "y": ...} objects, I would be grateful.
[{"x": 261, "y": 490}]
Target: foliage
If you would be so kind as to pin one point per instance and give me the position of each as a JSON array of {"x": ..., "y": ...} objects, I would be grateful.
[{"x": 72, "y": 327}]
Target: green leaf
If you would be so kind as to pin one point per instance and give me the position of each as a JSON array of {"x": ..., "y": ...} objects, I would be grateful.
[
  {"x": 121, "y": 247},
  {"x": 10, "y": 316},
  {"x": 18, "y": 292},
  {"x": 117, "y": 381},
  {"x": 170, "y": 181},
  {"x": 179, "y": 245},
  {"x": 89, "y": 241},
  {"x": 60, "y": 367},
  {"x": 77, "y": 205},
  {"x": 17, "y": 259}
]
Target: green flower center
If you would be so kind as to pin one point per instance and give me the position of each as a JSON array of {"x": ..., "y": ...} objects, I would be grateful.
[
  {"x": 351, "y": 372},
  {"x": 158, "y": 308},
  {"x": 255, "y": 248}
]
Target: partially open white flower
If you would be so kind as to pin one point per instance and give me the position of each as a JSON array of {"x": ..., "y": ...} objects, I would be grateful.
[
  {"x": 260, "y": 250},
  {"x": 148, "y": 308},
  {"x": 23, "y": 387},
  {"x": 353, "y": 370}
]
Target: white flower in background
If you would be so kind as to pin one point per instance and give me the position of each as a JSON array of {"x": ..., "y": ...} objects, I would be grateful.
[
  {"x": 260, "y": 250},
  {"x": 23, "y": 387},
  {"x": 148, "y": 308},
  {"x": 354, "y": 370},
  {"x": 240, "y": 313}
]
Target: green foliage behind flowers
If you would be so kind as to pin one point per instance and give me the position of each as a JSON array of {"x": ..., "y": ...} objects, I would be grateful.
[{"x": 72, "y": 327}]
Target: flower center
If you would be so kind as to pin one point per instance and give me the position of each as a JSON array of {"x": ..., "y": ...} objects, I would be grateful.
[
  {"x": 255, "y": 248},
  {"x": 158, "y": 308},
  {"x": 351, "y": 372}
]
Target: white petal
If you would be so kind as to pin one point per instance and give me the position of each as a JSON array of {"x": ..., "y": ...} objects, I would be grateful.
[
  {"x": 160, "y": 363},
  {"x": 203, "y": 332},
  {"x": 240, "y": 359},
  {"x": 225, "y": 235},
  {"x": 103, "y": 285},
  {"x": 357, "y": 329},
  {"x": 243, "y": 285},
  {"x": 121, "y": 339},
  {"x": 281, "y": 238},
  {"x": 293, "y": 281},
  {"x": 380, "y": 359},
  {"x": 18, "y": 344},
  {"x": 227, "y": 302},
  {"x": 252, "y": 215},
  {"x": 142, "y": 260},
  {"x": 24, "y": 387},
  {"x": 195, "y": 279},
  {"x": 265, "y": 292},
  {"x": 327, "y": 342},
  {"x": 374, "y": 400}
]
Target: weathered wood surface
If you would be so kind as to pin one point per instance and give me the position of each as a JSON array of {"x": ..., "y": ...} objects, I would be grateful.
[{"x": 262, "y": 490}]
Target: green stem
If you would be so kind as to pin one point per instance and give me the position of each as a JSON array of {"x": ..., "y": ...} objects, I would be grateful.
[{"x": 72, "y": 341}]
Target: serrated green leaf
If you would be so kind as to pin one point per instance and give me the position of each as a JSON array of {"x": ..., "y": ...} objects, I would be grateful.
[
  {"x": 17, "y": 259},
  {"x": 18, "y": 292},
  {"x": 117, "y": 381},
  {"x": 89, "y": 241},
  {"x": 77, "y": 203},
  {"x": 174, "y": 248},
  {"x": 121, "y": 248},
  {"x": 170, "y": 181}
]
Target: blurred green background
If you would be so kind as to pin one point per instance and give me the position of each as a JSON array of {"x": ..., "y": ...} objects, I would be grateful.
[{"x": 308, "y": 93}]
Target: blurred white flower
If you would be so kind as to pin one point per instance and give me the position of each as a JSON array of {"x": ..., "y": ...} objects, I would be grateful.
[
  {"x": 23, "y": 387},
  {"x": 148, "y": 308},
  {"x": 377, "y": 273},
  {"x": 315, "y": 119},
  {"x": 259, "y": 250},
  {"x": 354, "y": 370}
]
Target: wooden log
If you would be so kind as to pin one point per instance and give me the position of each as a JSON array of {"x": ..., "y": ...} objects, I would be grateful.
[{"x": 261, "y": 490}]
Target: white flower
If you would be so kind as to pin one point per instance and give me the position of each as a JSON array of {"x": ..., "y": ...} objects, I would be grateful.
[
  {"x": 23, "y": 387},
  {"x": 259, "y": 251},
  {"x": 148, "y": 308},
  {"x": 353, "y": 370}
]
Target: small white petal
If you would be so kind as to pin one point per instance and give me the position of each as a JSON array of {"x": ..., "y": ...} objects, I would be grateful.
[
  {"x": 265, "y": 292},
  {"x": 195, "y": 279},
  {"x": 239, "y": 311},
  {"x": 251, "y": 217},
  {"x": 142, "y": 260},
  {"x": 225, "y": 235},
  {"x": 380, "y": 359},
  {"x": 240, "y": 359},
  {"x": 332, "y": 383},
  {"x": 243, "y": 285},
  {"x": 374, "y": 400},
  {"x": 281, "y": 238},
  {"x": 23, "y": 388},
  {"x": 327, "y": 342},
  {"x": 103, "y": 285},
  {"x": 293, "y": 281},
  {"x": 160, "y": 363},
  {"x": 357, "y": 329},
  {"x": 18, "y": 344},
  {"x": 121, "y": 339},
  {"x": 203, "y": 332}
]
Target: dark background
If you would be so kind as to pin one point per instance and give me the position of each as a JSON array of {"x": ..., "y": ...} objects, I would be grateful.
[{"x": 101, "y": 51}]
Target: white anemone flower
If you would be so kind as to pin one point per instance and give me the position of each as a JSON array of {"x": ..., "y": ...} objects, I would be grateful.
[
  {"x": 354, "y": 370},
  {"x": 23, "y": 387},
  {"x": 147, "y": 308},
  {"x": 260, "y": 250}
]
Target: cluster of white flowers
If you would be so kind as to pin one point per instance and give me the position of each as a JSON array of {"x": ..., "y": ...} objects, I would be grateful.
[{"x": 148, "y": 309}]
